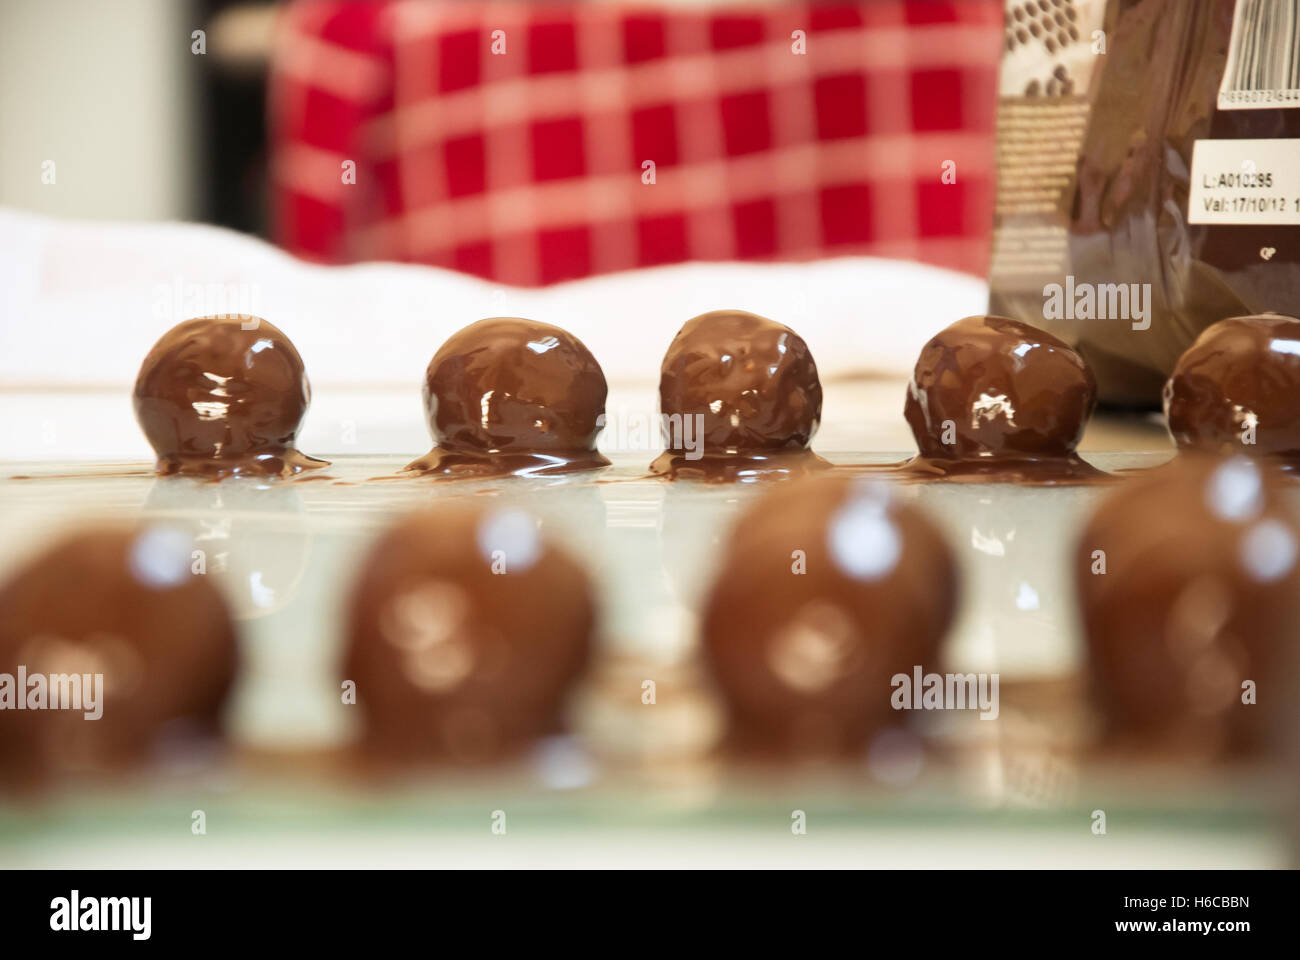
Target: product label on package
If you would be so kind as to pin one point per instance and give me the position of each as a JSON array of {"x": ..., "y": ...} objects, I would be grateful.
[
  {"x": 1263, "y": 70},
  {"x": 1245, "y": 182}
]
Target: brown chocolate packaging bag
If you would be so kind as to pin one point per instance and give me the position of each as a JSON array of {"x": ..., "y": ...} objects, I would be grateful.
[{"x": 1148, "y": 176}]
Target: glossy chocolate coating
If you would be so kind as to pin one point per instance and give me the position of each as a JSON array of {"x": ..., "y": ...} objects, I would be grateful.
[
  {"x": 804, "y": 660},
  {"x": 1239, "y": 382},
  {"x": 1009, "y": 396},
  {"x": 224, "y": 396},
  {"x": 125, "y": 603},
  {"x": 506, "y": 395},
  {"x": 1200, "y": 592},
  {"x": 753, "y": 385},
  {"x": 453, "y": 660}
]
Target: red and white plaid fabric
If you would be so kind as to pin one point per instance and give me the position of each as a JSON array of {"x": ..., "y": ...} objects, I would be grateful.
[{"x": 528, "y": 166}]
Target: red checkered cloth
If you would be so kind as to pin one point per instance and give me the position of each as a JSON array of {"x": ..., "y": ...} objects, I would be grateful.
[{"x": 511, "y": 140}]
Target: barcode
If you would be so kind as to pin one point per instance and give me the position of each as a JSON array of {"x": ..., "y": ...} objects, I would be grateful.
[{"x": 1263, "y": 69}]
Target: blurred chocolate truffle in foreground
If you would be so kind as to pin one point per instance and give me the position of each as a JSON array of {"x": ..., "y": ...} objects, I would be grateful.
[
  {"x": 1237, "y": 390},
  {"x": 828, "y": 588},
  {"x": 739, "y": 398},
  {"x": 1188, "y": 587},
  {"x": 996, "y": 398},
  {"x": 124, "y": 605},
  {"x": 466, "y": 631},
  {"x": 506, "y": 395},
  {"x": 224, "y": 396}
]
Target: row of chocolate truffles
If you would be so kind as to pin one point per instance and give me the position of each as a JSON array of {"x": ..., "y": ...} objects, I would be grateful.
[
  {"x": 989, "y": 398},
  {"x": 468, "y": 628}
]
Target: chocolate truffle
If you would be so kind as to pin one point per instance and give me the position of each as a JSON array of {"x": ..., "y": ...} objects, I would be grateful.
[
  {"x": 996, "y": 397},
  {"x": 466, "y": 630},
  {"x": 740, "y": 398},
  {"x": 506, "y": 395},
  {"x": 1237, "y": 390},
  {"x": 224, "y": 396},
  {"x": 120, "y": 603},
  {"x": 1188, "y": 587},
  {"x": 828, "y": 588}
]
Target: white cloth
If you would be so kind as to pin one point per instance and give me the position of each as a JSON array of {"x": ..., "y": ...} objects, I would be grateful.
[{"x": 82, "y": 302}]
